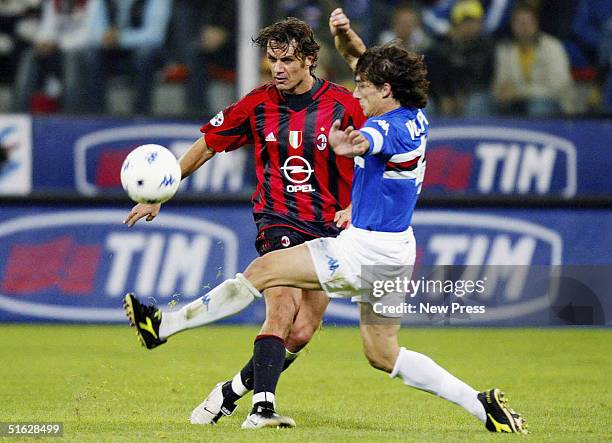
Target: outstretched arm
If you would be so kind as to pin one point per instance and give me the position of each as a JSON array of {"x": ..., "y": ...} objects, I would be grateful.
[
  {"x": 347, "y": 42},
  {"x": 198, "y": 154}
]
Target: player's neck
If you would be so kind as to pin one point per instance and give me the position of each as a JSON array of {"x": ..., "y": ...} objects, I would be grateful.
[
  {"x": 302, "y": 87},
  {"x": 387, "y": 106}
]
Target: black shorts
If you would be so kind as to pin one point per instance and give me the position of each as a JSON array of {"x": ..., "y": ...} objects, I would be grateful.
[{"x": 279, "y": 237}]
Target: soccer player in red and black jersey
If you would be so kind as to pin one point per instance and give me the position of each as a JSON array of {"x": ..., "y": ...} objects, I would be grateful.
[{"x": 303, "y": 191}]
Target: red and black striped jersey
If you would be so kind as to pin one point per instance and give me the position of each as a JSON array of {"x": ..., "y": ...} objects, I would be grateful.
[{"x": 300, "y": 181}]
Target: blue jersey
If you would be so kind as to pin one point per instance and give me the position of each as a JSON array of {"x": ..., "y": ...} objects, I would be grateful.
[{"x": 388, "y": 178}]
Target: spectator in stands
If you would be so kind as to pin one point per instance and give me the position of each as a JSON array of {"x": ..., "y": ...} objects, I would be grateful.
[
  {"x": 460, "y": 64},
  {"x": 532, "y": 73},
  {"x": 127, "y": 37},
  {"x": 211, "y": 57},
  {"x": 437, "y": 17},
  {"x": 55, "y": 55},
  {"x": 406, "y": 26},
  {"x": 18, "y": 24}
]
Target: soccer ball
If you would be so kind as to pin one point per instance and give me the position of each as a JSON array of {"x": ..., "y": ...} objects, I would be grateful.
[{"x": 150, "y": 174}]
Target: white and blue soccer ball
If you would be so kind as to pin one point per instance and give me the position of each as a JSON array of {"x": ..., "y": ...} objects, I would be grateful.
[{"x": 150, "y": 174}]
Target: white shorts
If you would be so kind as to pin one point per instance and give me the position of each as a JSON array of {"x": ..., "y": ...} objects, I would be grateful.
[{"x": 340, "y": 262}]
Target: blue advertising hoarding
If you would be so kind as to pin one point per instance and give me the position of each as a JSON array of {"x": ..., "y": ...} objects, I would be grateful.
[
  {"x": 84, "y": 155},
  {"x": 562, "y": 158},
  {"x": 74, "y": 264},
  {"x": 485, "y": 157}
]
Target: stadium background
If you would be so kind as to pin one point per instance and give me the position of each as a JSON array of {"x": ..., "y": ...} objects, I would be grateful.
[{"x": 499, "y": 189}]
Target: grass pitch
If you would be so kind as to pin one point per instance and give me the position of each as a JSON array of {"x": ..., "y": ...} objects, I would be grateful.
[{"x": 104, "y": 386}]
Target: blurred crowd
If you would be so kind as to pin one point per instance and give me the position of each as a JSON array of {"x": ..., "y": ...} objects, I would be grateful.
[{"x": 485, "y": 57}]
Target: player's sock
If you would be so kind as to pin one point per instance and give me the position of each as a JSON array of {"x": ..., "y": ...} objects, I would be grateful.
[
  {"x": 237, "y": 387},
  {"x": 290, "y": 357},
  {"x": 234, "y": 389},
  {"x": 419, "y": 371},
  {"x": 230, "y": 297},
  {"x": 268, "y": 361}
]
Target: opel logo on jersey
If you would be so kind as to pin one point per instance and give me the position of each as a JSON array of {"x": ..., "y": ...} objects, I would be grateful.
[
  {"x": 321, "y": 142},
  {"x": 295, "y": 139},
  {"x": 285, "y": 241},
  {"x": 297, "y": 170}
]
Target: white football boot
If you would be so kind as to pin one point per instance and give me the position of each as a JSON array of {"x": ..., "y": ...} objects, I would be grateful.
[
  {"x": 212, "y": 409},
  {"x": 267, "y": 418}
]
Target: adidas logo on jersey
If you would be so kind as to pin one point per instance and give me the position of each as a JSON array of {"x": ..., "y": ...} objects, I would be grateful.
[{"x": 270, "y": 137}]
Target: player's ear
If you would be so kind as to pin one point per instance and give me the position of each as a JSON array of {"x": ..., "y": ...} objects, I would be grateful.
[
  {"x": 385, "y": 90},
  {"x": 308, "y": 61}
]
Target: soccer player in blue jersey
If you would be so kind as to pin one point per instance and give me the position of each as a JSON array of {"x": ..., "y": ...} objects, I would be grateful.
[{"x": 388, "y": 153}]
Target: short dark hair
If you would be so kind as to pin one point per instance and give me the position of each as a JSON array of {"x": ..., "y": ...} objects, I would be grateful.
[
  {"x": 284, "y": 32},
  {"x": 404, "y": 70}
]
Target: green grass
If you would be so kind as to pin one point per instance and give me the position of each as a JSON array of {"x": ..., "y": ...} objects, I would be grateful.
[{"x": 103, "y": 386}]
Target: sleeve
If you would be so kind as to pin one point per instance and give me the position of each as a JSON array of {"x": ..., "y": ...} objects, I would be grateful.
[
  {"x": 153, "y": 31},
  {"x": 376, "y": 132},
  {"x": 230, "y": 128},
  {"x": 356, "y": 116},
  {"x": 392, "y": 138}
]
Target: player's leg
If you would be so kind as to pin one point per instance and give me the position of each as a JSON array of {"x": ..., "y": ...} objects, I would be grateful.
[
  {"x": 263, "y": 370},
  {"x": 380, "y": 344},
  {"x": 270, "y": 354},
  {"x": 154, "y": 326},
  {"x": 269, "y": 350},
  {"x": 287, "y": 267},
  {"x": 281, "y": 307},
  {"x": 306, "y": 323},
  {"x": 222, "y": 399},
  {"x": 382, "y": 350}
]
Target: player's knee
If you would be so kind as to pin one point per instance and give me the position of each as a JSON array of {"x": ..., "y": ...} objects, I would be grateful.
[
  {"x": 257, "y": 273},
  {"x": 299, "y": 337}
]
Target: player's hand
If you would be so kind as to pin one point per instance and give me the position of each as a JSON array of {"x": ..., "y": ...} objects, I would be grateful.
[
  {"x": 142, "y": 210},
  {"x": 342, "y": 218},
  {"x": 348, "y": 143},
  {"x": 339, "y": 23}
]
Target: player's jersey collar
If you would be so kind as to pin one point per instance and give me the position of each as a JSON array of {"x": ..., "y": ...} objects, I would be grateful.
[{"x": 297, "y": 102}]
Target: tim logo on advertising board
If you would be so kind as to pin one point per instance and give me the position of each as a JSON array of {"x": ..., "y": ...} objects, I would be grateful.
[
  {"x": 99, "y": 155},
  {"x": 499, "y": 160},
  {"x": 77, "y": 265}
]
